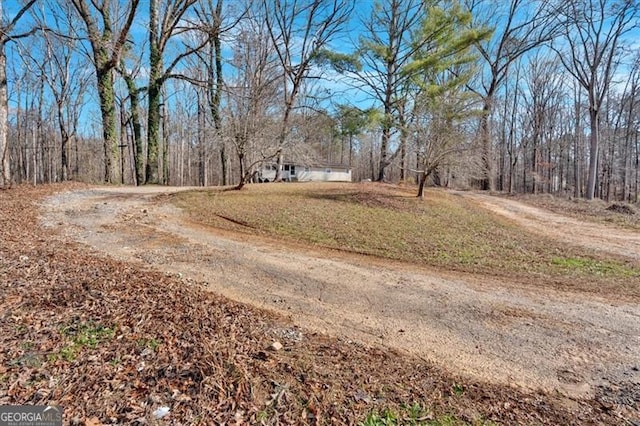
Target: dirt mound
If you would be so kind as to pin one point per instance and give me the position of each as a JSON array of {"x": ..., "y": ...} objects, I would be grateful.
[{"x": 621, "y": 208}]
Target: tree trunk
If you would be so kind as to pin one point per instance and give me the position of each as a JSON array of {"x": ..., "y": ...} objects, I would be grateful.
[
  {"x": 34, "y": 156},
  {"x": 627, "y": 148},
  {"x": 109, "y": 133},
  {"x": 5, "y": 176},
  {"x": 625, "y": 164},
  {"x": 384, "y": 153},
  {"x": 350, "y": 150},
  {"x": 76, "y": 154},
  {"x": 577, "y": 190},
  {"x": 534, "y": 167},
  {"x": 503, "y": 149},
  {"x": 223, "y": 162},
  {"x": 594, "y": 140},
  {"x": 243, "y": 167},
  {"x": 202, "y": 151},
  {"x": 513, "y": 160},
  {"x": 403, "y": 142},
  {"x": 525, "y": 167},
  {"x": 511, "y": 145},
  {"x": 165, "y": 146},
  {"x": 154, "y": 95},
  {"x": 562, "y": 164},
  {"x": 21, "y": 139},
  {"x": 64, "y": 143},
  {"x": 550, "y": 170},
  {"x": 215, "y": 93},
  {"x": 372, "y": 163},
  {"x": 138, "y": 142},
  {"x": 246, "y": 175},
  {"x": 44, "y": 164},
  {"x": 279, "y": 166},
  {"x": 637, "y": 169},
  {"x": 423, "y": 181},
  {"x": 486, "y": 183},
  {"x": 138, "y": 153},
  {"x": 123, "y": 139},
  {"x": 153, "y": 131},
  {"x": 437, "y": 177},
  {"x": 5, "y": 152}
]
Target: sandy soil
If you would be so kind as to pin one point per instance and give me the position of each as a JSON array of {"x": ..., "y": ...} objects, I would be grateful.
[
  {"x": 490, "y": 330},
  {"x": 593, "y": 236}
]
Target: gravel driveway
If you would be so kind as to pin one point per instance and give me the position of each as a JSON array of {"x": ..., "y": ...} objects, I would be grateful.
[{"x": 475, "y": 325}]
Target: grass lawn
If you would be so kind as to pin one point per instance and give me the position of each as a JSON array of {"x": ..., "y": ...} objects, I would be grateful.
[{"x": 388, "y": 221}]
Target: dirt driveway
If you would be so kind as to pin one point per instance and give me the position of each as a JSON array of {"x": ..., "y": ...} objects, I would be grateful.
[
  {"x": 472, "y": 325},
  {"x": 597, "y": 237}
]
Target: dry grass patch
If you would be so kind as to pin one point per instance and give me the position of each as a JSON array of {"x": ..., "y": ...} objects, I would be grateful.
[{"x": 443, "y": 230}]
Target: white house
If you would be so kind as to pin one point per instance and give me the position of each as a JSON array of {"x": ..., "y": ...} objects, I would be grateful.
[{"x": 293, "y": 172}]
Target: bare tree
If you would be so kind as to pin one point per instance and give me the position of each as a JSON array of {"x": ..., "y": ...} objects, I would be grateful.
[
  {"x": 215, "y": 21},
  {"x": 210, "y": 17},
  {"x": 30, "y": 115},
  {"x": 67, "y": 80},
  {"x": 629, "y": 103},
  {"x": 593, "y": 35},
  {"x": 165, "y": 22},
  {"x": 544, "y": 82},
  {"x": 251, "y": 93},
  {"x": 520, "y": 26},
  {"x": 6, "y": 35},
  {"x": 130, "y": 73},
  {"x": 509, "y": 148},
  {"x": 107, "y": 35},
  {"x": 300, "y": 30}
]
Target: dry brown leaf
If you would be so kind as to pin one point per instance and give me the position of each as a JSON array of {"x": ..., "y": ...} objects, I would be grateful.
[{"x": 93, "y": 421}]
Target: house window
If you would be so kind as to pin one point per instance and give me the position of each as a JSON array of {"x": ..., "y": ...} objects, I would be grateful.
[
  {"x": 307, "y": 169},
  {"x": 293, "y": 170},
  {"x": 328, "y": 171}
]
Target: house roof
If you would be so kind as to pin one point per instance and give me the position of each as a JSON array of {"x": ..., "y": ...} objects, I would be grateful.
[{"x": 317, "y": 164}]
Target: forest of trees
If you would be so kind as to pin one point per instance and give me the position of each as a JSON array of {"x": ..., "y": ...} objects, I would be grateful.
[{"x": 537, "y": 96}]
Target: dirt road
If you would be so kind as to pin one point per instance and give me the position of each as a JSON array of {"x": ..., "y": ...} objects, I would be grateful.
[{"x": 472, "y": 325}]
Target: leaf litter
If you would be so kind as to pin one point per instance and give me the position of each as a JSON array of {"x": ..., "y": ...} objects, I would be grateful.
[{"x": 114, "y": 344}]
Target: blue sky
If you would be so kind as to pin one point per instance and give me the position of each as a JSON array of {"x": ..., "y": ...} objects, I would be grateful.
[
  {"x": 342, "y": 91},
  {"x": 139, "y": 35}
]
